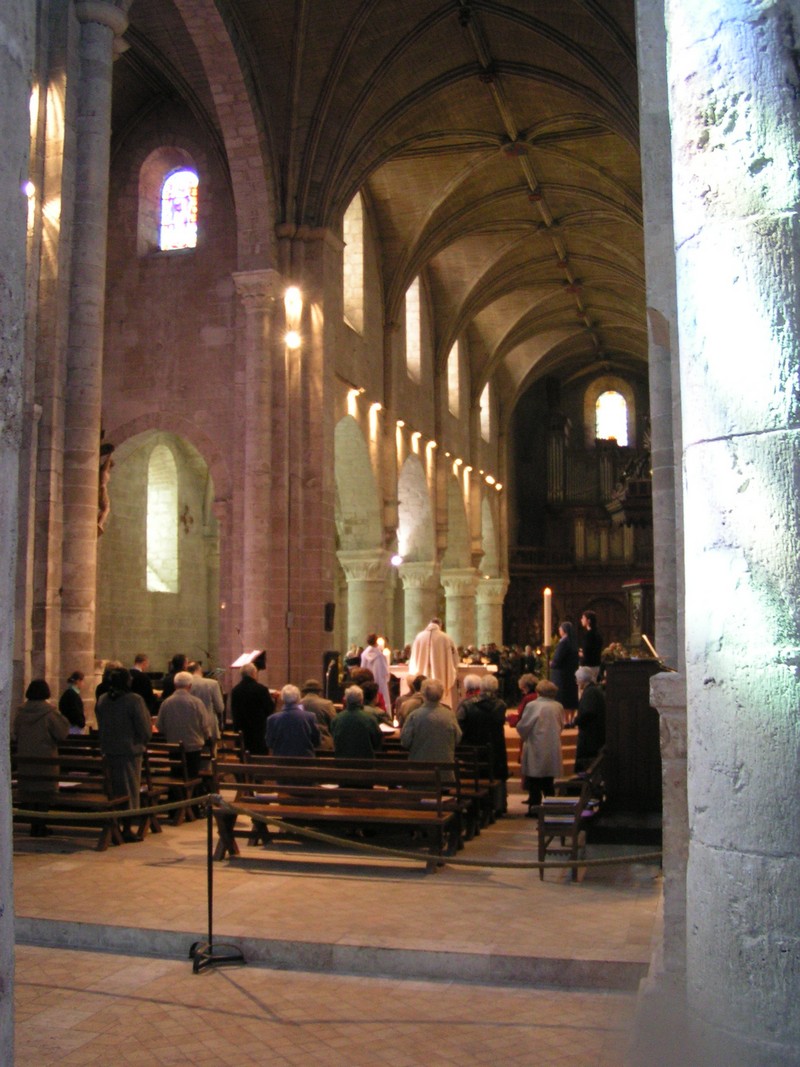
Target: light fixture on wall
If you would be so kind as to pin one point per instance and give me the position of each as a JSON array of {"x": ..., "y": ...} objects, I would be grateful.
[
  {"x": 490, "y": 480},
  {"x": 396, "y": 559},
  {"x": 400, "y": 424},
  {"x": 293, "y": 339}
]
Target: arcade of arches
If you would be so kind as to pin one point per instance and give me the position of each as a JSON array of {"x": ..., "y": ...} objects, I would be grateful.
[{"x": 335, "y": 291}]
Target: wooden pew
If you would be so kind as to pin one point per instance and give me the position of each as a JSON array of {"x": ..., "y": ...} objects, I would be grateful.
[
  {"x": 83, "y": 786},
  {"x": 563, "y": 818},
  {"x": 165, "y": 769},
  {"x": 327, "y": 794}
]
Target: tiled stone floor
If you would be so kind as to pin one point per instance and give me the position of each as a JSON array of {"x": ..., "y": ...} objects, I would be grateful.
[
  {"x": 87, "y": 1008},
  {"x": 356, "y": 942}
]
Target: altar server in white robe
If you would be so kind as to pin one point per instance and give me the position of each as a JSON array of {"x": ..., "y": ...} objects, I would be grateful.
[{"x": 435, "y": 655}]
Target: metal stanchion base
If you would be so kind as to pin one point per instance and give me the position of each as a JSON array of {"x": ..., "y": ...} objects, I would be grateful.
[{"x": 205, "y": 954}]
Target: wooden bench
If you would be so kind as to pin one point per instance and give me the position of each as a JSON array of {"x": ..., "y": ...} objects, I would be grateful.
[
  {"x": 326, "y": 793},
  {"x": 80, "y": 783}
]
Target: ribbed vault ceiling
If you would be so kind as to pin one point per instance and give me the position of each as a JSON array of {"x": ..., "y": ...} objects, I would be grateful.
[{"x": 495, "y": 144}]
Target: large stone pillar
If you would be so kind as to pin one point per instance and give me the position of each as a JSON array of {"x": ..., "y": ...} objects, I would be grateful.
[
  {"x": 490, "y": 596},
  {"x": 258, "y": 291},
  {"x": 420, "y": 590},
  {"x": 17, "y": 22},
  {"x": 367, "y": 572},
  {"x": 459, "y": 590},
  {"x": 735, "y": 106},
  {"x": 100, "y": 22},
  {"x": 662, "y": 1006}
]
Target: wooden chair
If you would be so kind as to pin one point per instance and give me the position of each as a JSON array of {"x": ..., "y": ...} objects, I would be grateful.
[{"x": 562, "y": 818}]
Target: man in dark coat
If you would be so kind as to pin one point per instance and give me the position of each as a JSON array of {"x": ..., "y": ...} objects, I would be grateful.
[
  {"x": 356, "y": 734},
  {"x": 483, "y": 723},
  {"x": 591, "y": 718},
  {"x": 251, "y": 703},
  {"x": 141, "y": 684},
  {"x": 293, "y": 731}
]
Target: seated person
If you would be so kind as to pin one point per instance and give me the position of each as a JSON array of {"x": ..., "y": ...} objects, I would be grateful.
[{"x": 293, "y": 731}]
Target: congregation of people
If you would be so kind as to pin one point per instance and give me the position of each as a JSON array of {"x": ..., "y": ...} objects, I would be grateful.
[{"x": 187, "y": 706}]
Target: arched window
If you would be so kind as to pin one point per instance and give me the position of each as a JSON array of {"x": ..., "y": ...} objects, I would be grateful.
[
  {"x": 178, "y": 211},
  {"x": 413, "y": 332},
  {"x": 453, "y": 382},
  {"x": 162, "y": 521},
  {"x": 486, "y": 413},
  {"x": 611, "y": 418},
  {"x": 353, "y": 272}
]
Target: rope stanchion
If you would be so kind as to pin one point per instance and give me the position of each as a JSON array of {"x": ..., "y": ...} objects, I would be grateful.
[
  {"x": 360, "y": 846},
  {"x": 206, "y": 954}
]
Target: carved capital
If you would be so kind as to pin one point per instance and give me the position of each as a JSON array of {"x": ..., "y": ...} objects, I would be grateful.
[
  {"x": 258, "y": 289},
  {"x": 668, "y": 697},
  {"x": 366, "y": 565},
  {"x": 459, "y": 583},
  {"x": 105, "y": 12},
  {"x": 492, "y": 590},
  {"x": 418, "y": 575}
]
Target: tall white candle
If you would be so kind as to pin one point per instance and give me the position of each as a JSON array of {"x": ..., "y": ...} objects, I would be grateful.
[{"x": 548, "y": 616}]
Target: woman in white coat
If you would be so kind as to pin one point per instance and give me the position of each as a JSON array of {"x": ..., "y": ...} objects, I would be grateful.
[{"x": 540, "y": 729}]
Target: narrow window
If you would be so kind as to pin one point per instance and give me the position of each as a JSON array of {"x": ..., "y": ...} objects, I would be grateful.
[
  {"x": 162, "y": 522},
  {"x": 413, "y": 332},
  {"x": 453, "y": 385},
  {"x": 353, "y": 274},
  {"x": 486, "y": 414},
  {"x": 611, "y": 418},
  {"x": 178, "y": 211}
]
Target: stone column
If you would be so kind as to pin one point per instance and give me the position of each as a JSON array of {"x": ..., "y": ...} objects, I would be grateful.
[
  {"x": 735, "y": 107},
  {"x": 491, "y": 595},
  {"x": 257, "y": 290},
  {"x": 459, "y": 590},
  {"x": 100, "y": 22},
  {"x": 367, "y": 572},
  {"x": 420, "y": 587}
]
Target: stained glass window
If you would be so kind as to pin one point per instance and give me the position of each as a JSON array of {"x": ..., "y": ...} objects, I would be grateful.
[
  {"x": 179, "y": 211},
  {"x": 611, "y": 418}
]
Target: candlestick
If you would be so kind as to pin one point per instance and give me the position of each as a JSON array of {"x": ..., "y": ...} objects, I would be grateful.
[{"x": 548, "y": 616}]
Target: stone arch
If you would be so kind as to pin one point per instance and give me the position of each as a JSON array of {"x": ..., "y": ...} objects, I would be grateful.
[
  {"x": 458, "y": 553},
  {"x": 415, "y": 528},
  {"x": 184, "y": 617},
  {"x": 358, "y": 513}
]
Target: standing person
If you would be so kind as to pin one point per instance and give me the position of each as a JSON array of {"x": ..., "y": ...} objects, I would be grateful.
[
  {"x": 590, "y": 720},
  {"x": 104, "y": 684},
  {"x": 410, "y": 700},
  {"x": 472, "y": 689},
  {"x": 207, "y": 690},
  {"x": 356, "y": 734},
  {"x": 373, "y": 659},
  {"x": 431, "y": 731},
  {"x": 125, "y": 727},
  {"x": 562, "y": 669},
  {"x": 323, "y": 709},
  {"x": 183, "y": 717},
  {"x": 540, "y": 729},
  {"x": 484, "y": 723},
  {"x": 141, "y": 684},
  {"x": 293, "y": 731},
  {"x": 435, "y": 655},
  {"x": 70, "y": 703},
  {"x": 591, "y": 644},
  {"x": 251, "y": 704},
  {"x": 177, "y": 663},
  {"x": 37, "y": 728}
]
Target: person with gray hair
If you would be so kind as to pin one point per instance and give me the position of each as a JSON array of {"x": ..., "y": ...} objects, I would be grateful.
[
  {"x": 293, "y": 731},
  {"x": 591, "y": 718},
  {"x": 251, "y": 704},
  {"x": 183, "y": 717},
  {"x": 356, "y": 734},
  {"x": 540, "y": 729},
  {"x": 472, "y": 688},
  {"x": 431, "y": 731},
  {"x": 483, "y": 723}
]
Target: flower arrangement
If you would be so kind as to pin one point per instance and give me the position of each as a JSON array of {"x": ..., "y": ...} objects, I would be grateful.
[{"x": 614, "y": 652}]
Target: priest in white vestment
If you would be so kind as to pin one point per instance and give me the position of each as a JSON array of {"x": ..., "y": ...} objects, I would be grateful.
[{"x": 435, "y": 655}]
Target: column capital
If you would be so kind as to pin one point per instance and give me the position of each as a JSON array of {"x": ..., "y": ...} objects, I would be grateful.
[
  {"x": 419, "y": 575},
  {"x": 459, "y": 582},
  {"x": 492, "y": 590},
  {"x": 110, "y": 13},
  {"x": 365, "y": 565},
  {"x": 258, "y": 289}
]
